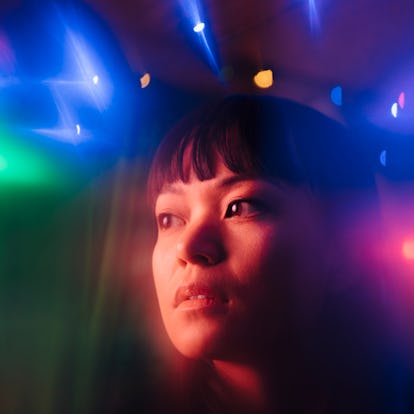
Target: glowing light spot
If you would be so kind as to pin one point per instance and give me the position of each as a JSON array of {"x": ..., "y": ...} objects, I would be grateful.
[
  {"x": 3, "y": 163},
  {"x": 401, "y": 100},
  {"x": 383, "y": 158},
  {"x": 145, "y": 80},
  {"x": 78, "y": 129},
  {"x": 95, "y": 79},
  {"x": 408, "y": 249},
  {"x": 313, "y": 16},
  {"x": 394, "y": 109},
  {"x": 264, "y": 79},
  {"x": 336, "y": 95},
  {"x": 24, "y": 163},
  {"x": 199, "y": 27}
]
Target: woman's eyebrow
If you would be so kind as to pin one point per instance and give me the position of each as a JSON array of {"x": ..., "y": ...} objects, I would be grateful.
[
  {"x": 175, "y": 188},
  {"x": 226, "y": 182},
  {"x": 232, "y": 180}
]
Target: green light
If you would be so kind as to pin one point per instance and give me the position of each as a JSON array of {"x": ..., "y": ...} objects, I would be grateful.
[
  {"x": 3, "y": 163},
  {"x": 27, "y": 163}
]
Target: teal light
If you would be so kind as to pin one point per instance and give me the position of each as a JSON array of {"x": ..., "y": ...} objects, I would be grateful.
[
  {"x": 3, "y": 163},
  {"x": 20, "y": 163},
  {"x": 27, "y": 163}
]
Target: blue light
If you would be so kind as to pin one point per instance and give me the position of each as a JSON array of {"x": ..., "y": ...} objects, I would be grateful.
[
  {"x": 313, "y": 16},
  {"x": 383, "y": 158},
  {"x": 394, "y": 109},
  {"x": 198, "y": 22},
  {"x": 336, "y": 95},
  {"x": 78, "y": 129},
  {"x": 83, "y": 66},
  {"x": 199, "y": 27}
]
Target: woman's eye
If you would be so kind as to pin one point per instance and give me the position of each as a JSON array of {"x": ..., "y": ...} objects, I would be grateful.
[
  {"x": 166, "y": 221},
  {"x": 243, "y": 208}
]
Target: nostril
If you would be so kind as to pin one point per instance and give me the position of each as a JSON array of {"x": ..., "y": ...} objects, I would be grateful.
[
  {"x": 203, "y": 259},
  {"x": 201, "y": 245}
]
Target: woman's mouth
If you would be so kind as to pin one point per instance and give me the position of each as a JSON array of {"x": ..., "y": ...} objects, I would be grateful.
[{"x": 197, "y": 297}]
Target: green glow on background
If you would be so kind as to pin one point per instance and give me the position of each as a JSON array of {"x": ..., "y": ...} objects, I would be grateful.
[
  {"x": 3, "y": 163},
  {"x": 22, "y": 163}
]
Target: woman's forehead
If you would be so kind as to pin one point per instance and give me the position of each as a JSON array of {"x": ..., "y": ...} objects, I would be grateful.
[{"x": 225, "y": 181}]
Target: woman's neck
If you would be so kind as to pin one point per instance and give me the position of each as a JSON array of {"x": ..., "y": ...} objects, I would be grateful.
[{"x": 247, "y": 384}]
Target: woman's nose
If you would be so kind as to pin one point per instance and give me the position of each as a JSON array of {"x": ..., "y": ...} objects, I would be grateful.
[{"x": 201, "y": 244}]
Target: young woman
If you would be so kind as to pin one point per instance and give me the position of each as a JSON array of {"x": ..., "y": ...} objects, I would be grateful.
[{"x": 258, "y": 286}]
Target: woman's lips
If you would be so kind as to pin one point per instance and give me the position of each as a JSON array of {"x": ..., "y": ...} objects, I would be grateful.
[{"x": 192, "y": 297}]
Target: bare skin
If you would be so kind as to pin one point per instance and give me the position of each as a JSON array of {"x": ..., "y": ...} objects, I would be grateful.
[{"x": 236, "y": 266}]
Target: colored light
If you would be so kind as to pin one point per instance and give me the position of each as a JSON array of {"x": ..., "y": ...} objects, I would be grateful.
[
  {"x": 401, "y": 100},
  {"x": 336, "y": 95},
  {"x": 85, "y": 69},
  {"x": 23, "y": 163},
  {"x": 199, "y": 27},
  {"x": 394, "y": 109},
  {"x": 3, "y": 163},
  {"x": 78, "y": 129},
  {"x": 408, "y": 249},
  {"x": 313, "y": 16},
  {"x": 264, "y": 79},
  {"x": 383, "y": 158},
  {"x": 145, "y": 80}
]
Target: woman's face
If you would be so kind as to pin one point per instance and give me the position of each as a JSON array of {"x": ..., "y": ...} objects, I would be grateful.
[{"x": 237, "y": 262}]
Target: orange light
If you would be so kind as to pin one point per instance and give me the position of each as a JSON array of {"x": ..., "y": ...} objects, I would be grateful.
[
  {"x": 145, "y": 80},
  {"x": 264, "y": 79},
  {"x": 408, "y": 249}
]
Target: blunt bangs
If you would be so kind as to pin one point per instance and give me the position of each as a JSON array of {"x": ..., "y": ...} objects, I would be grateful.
[{"x": 261, "y": 136}]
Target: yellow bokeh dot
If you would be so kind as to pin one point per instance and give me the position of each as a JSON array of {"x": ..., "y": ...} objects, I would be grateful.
[
  {"x": 145, "y": 80},
  {"x": 264, "y": 79}
]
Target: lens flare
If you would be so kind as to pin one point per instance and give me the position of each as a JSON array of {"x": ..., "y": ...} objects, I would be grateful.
[
  {"x": 394, "y": 109},
  {"x": 199, "y": 27}
]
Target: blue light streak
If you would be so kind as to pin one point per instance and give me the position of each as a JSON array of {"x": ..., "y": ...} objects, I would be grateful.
[
  {"x": 313, "y": 16},
  {"x": 199, "y": 27},
  {"x": 193, "y": 13}
]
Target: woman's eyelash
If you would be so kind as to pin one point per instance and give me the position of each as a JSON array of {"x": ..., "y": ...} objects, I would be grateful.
[
  {"x": 168, "y": 220},
  {"x": 244, "y": 208}
]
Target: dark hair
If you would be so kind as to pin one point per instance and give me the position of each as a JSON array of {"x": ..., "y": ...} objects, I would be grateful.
[{"x": 262, "y": 136}]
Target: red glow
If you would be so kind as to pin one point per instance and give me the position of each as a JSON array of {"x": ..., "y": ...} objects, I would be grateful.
[{"x": 408, "y": 249}]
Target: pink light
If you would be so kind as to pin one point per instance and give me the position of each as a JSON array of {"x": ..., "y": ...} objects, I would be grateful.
[
  {"x": 401, "y": 100},
  {"x": 7, "y": 58},
  {"x": 408, "y": 249}
]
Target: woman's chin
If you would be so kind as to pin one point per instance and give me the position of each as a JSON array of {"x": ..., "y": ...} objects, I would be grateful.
[{"x": 199, "y": 342}]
